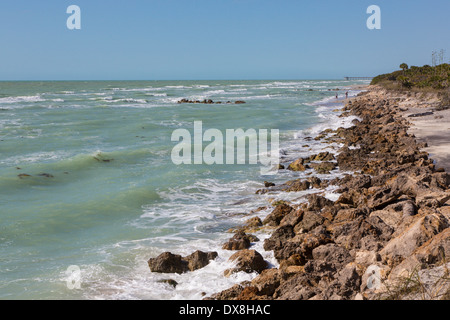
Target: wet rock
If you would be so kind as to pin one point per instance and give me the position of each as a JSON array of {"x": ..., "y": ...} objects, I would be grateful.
[
  {"x": 46, "y": 175},
  {"x": 269, "y": 184},
  {"x": 297, "y": 165},
  {"x": 199, "y": 259},
  {"x": 275, "y": 217},
  {"x": 170, "y": 282},
  {"x": 323, "y": 167},
  {"x": 247, "y": 261},
  {"x": 295, "y": 185},
  {"x": 279, "y": 237},
  {"x": 323, "y": 156},
  {"x": 168, "y": 262},
  {"x": 238, "y": 242}
]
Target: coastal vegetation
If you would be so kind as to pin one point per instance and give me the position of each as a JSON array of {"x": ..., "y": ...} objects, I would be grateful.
[
  {"x": 434, "y": 79},
  {"x": 426, "y": 77}
]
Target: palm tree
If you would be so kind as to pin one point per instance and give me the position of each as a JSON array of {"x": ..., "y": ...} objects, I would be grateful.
[{"x": 404, "y": 67}]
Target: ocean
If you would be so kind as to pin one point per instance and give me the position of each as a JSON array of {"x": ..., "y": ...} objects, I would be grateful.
[{"x": 87, "y": 180}]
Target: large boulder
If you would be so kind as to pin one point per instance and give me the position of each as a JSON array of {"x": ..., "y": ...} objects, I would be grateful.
[
  {"x": 248, "y": 261},
  {"x": 168, "y": 262},
  {"x": 239, "y": 241}
]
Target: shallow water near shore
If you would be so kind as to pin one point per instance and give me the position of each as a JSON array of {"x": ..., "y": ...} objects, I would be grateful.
[{"x": 86, "y": 179}]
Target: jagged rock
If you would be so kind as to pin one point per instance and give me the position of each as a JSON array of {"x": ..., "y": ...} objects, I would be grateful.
[
  {"x": 199, "y": 259},
  {"x": 296, "y": 185},
  {"x": 323, "y": 156},
  {"x": 275, "y": 217},
  {"x": 317, "y": 203},
  {"x": 310, "y": 221},
  {"x": 267, "y": 282},
  {"x": 332, "y": 253},
  {"x": 168, "y": 263},
  {"x": 297, "y": 165},
  {"x": 248, "y": 261},
  {"x": 421, "y": 230},
  {"x": 323, "y": 167},
  {"x": 173, "y": 263},
  {"x": 238, "y": 242}
]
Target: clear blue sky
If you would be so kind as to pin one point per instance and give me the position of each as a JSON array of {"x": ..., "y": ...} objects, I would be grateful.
[{"x": 217, "y": 39}]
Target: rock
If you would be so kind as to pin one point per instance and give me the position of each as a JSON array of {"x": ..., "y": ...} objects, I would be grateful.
[
  {"x": 239, "y": 102},
  {"x": 228, "y": 294},
  {"x": 423, "y": 229},
  {"x": 173, "y": 263},
  {"x": 280, "y": 236},
  {"x": 46, "y": 175},
  {"x": 436, "y": 250},
  {"x": 332, "y": 253},
  {"x": 275, "y": 217},
  {"x": 269, "y": 184},
  {"x": 170, "y": 282},
  {"x": 238, "y": 242},
  {"x": 253, "y": 224},
  {"x": 168, "y": 263},
  {"x": 310, "y": 221},
  {"x": 349, "y": 279},
  {"x": 297, "y": 165},
  {"x": 323, "y": 156},
  {"x": 366, "y": 257},
  {"x": 248, "y": 261},
  {"x": 434, "y": 199},
  {"x": 323, "y": 167},
  {"x": 199, "y": 259},
  {"x": 296, "y": 185},
  {"x": 383, "y": 197},
  {"x": 355, "y": 183},
  {"x": 317, "y": 203},
  {"x": 267, "y": 282}
]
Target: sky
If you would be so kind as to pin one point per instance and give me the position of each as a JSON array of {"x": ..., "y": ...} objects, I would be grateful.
[{"x": 217, "y": 39}]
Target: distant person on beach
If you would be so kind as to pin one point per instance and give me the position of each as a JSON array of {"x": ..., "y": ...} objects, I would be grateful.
[
  {"x": 336, "y": 95},
  {"x": 346, "y": 95}
]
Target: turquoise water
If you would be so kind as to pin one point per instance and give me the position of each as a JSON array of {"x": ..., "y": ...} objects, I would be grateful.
[{"x": 86, "y": 179}]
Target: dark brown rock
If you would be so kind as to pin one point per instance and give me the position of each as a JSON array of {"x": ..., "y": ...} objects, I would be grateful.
[
  {"x": 238, "y": 242},
  {"x": 173, "y": 263},
  {"x": 248, "y": 261}
]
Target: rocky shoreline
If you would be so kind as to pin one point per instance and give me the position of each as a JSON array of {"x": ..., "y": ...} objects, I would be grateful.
[{"x": 387, "y": 236}]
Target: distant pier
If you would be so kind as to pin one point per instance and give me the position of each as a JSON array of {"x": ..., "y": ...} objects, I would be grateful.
[{"x": 358, "y": 78}]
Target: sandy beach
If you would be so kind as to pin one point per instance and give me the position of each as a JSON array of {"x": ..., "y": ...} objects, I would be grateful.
[{"x": 434, "y": 129}]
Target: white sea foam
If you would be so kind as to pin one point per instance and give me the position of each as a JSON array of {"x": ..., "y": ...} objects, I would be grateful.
[{"x": 22, "y": 99}]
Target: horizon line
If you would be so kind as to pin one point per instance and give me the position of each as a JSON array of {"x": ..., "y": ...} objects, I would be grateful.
[{"x": 99, "y": 80}]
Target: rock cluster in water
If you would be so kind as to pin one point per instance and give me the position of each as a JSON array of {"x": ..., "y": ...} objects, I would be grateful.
[{"x": 209, "y": 101}]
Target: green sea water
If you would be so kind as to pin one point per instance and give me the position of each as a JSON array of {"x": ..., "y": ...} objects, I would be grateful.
[{"x": 86, "y": 179}]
